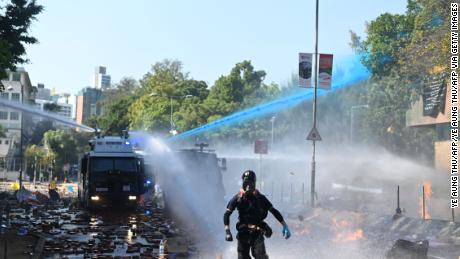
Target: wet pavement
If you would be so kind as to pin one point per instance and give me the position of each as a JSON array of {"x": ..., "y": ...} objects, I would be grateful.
[
  {"x": 65, "y": 231},
  {"x": 109, "y": 235}
]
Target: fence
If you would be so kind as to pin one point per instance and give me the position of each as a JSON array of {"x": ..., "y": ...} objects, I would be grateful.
[{"x": 64, "y": 189}]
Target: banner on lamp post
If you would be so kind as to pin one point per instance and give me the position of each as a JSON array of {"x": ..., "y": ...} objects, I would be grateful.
[
  {"x": 325, "y": 71},
  {"x": 305, "y": 69}
]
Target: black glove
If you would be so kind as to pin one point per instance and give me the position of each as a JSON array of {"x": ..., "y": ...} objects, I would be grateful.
[{"x": 228, "y": 235}]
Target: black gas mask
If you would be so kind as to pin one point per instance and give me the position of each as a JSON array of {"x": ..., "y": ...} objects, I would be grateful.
[
  {"x": 249, "y": 182},
  {"x": 249, "y": 186}
]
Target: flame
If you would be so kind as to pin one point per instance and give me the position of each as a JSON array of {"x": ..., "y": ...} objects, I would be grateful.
[
  {"x": 345, "y": 231},
  {"x": 428, "y": 194},
  {"x": 349, "y": 236}
]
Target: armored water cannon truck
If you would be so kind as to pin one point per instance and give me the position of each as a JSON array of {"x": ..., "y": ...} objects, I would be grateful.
[{"x": 111, "y": 174}]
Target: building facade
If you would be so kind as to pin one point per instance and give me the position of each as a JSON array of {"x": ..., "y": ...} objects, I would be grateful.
[
  {"x": 65, "y": 109},
  {"x": 18, "y": 88},
  {"x": 101, "y": 79},
  {"x": 42, "y": 92},
  {"x": 87, "y": 104},
  {"x": 432, "y": 109}
]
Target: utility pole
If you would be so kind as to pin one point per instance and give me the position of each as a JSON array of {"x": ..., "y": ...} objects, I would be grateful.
[
  {"x": 171, "y": 122},
  {"x": 313, "y": 162},
  {"x": 172, "y": 128},
  {"x": 35, "y": 170},
  {"x": 20, "y": 138}
]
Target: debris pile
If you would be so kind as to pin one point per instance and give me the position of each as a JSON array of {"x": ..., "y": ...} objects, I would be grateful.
[{"x": 68, "y": 232}]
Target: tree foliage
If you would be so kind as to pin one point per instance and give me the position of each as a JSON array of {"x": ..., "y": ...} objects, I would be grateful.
[
  {"x": 38, "y": 160},
  {"x": 115, "y": 106},
  {"x": 164, "y": 87},
  {"x": 386, "y": 37},
  {"x": 401, "y": 51},
  {"x": 15, "y": 19},
  {"x": 66, "y": 147},
  {"x": 51, "y": 107}
]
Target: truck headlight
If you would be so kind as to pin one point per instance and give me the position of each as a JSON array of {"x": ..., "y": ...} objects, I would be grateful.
[
  {"x": 94, "y": 198},
  {"x": 132, "y": 198}
]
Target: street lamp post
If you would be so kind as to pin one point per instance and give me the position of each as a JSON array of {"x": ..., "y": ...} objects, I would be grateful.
[
  {"x": 22, "y": 132},
  {"x": 313, "y": 157},
  {"x": 20, "y": 135},
  {"x": 171, "y": 122},
  {"x": 352, "y": 116},
  {"x": 172, "y": 129}
]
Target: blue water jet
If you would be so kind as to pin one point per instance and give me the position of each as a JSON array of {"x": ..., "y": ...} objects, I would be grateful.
[{"x": 347, "y": 72}]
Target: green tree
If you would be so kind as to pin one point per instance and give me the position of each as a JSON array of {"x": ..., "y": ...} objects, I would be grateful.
[
  {"x": 243, "y": 87},
  {"x": 62, "y": 144},
  {"x": 15, "y": 20},
  {"x": 401, "y": 51},
  {"x": 429, "y": 47},
  {"x": 40, "y": 128},
  {"x": 166, "y": 81},
  {"x": 386, "y": 36},
  {"x": 115, "y": 106},
  {"x": 51, "y": 107},
  {"x": 36, "y": 157}
]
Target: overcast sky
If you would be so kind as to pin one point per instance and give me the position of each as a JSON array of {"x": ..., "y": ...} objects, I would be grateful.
[{"x": 208, "y": 36}]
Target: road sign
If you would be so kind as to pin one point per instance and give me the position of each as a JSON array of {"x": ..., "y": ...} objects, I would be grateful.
[
  {"x": 261, "y": 147},
  {"x": 314, "y": 135}
]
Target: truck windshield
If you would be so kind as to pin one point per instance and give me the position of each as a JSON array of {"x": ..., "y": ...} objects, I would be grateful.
[{"x": 104, "y": 164}]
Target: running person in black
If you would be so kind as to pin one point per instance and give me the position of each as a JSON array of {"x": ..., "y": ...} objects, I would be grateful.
[{"x": 253, "y": 208}]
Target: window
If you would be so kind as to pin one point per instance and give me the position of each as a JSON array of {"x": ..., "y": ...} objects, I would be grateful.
[
  {"x": 5, "y": 96},
  {"x": 0, "y": 141},
  {"x": 15, "y": 97},
  {"x": 3, "y": 115},
  {"x": 101, "y": 164},
  {"x": 16, "y": 77},
  {"x": 125, "y": 165},
  {"x": 92, "y": 110},
  {"x": 7, "y": 142},
  {"x": 14, "y": 116}
]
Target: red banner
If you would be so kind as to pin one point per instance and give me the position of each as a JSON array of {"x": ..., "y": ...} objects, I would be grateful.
[{"x": 325, "y": 71}]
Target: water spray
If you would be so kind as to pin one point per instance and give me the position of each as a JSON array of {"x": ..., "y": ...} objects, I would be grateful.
[
  {"x": 349, "y": 72},
  {"x": 49, "y": 115}
]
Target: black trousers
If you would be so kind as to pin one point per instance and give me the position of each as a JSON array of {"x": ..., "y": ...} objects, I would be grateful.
[{"x": 251, "y": 242}]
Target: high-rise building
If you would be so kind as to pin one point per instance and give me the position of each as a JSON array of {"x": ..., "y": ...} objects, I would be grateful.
[
  {"x": 87, "y": 103},
  {"x": 101, "y": 78}
]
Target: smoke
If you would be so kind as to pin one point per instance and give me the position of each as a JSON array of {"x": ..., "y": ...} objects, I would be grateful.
[
  {"x": 350, "y": 176},
  {"x": 359, "y": 178}
]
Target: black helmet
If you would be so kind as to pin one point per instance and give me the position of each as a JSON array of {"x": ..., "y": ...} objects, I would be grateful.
[{"x": 249, "y": 175}]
